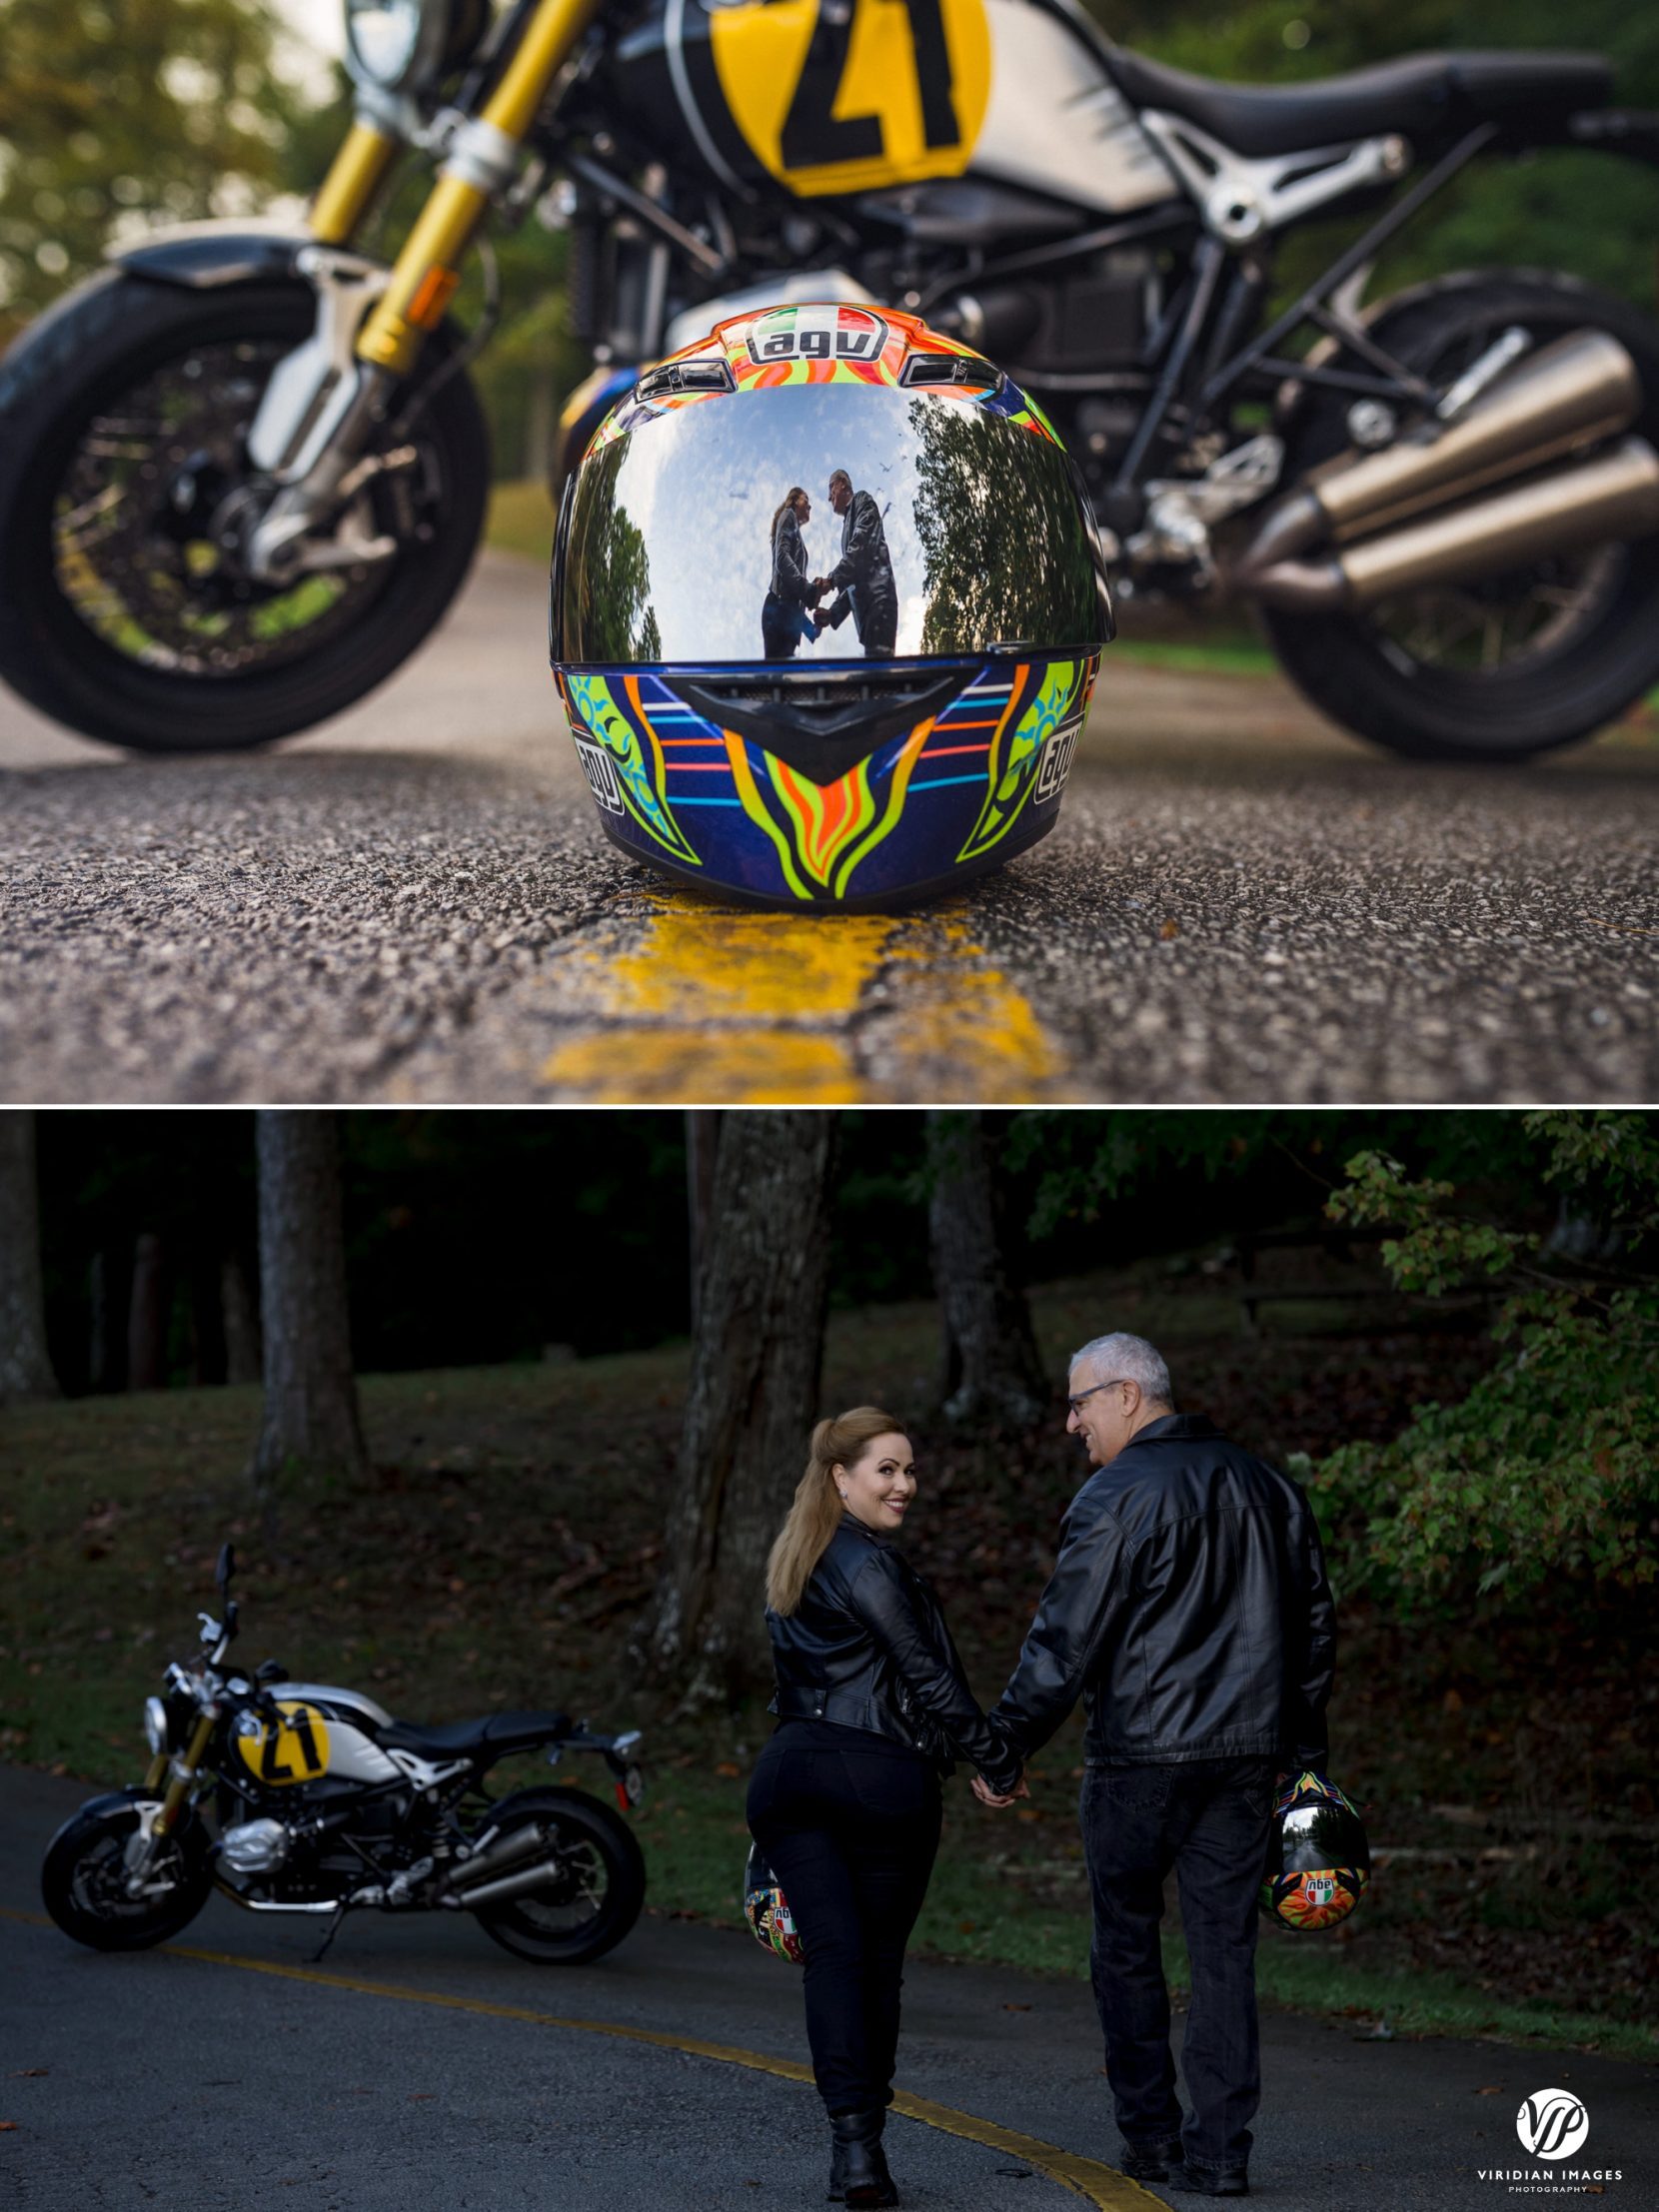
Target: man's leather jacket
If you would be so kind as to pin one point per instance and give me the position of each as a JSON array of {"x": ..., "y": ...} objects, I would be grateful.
[
  {"x": 1188, "y": 1607},
  {"x": 867, "y": 566},
  {"x": 868, "y": 1647}
]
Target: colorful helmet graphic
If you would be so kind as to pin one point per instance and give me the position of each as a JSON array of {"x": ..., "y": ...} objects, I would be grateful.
[
  {"x": 767, "y": 1910},
  {"x": 1318, "y": 1860},
  {"x": 827, "y": 607}
]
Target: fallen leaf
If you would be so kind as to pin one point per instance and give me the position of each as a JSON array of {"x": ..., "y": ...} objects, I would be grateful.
[
  {"x": 729, "y": 1769},
  {"x": 8, "y": 2127},
  {"x": 1171, "y": 929},
  {"x": 422, "y": 2097},
  {"x": 1493, "y": 2092},
  {"x": 1016, "y": 2008},
  {"x": 31, "y": 2073}
]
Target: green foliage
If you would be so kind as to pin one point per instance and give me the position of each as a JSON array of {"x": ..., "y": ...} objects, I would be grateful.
[
  {"x": 114, "y": 118},
  {"x": 1549, "y": 1468}
]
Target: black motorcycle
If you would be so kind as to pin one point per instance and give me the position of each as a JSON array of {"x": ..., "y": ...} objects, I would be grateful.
[
  {"x": 243, "y": 473},
  {"x": 311, "y": 1798}
]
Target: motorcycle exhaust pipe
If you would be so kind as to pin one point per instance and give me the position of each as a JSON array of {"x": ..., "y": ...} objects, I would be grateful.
[
  {"x": 1614, "y": 496},
  {"x": 506, "y": 1886},
  {"x": 505, "y": 1852},
  {"x": 1579, "y": 389}
]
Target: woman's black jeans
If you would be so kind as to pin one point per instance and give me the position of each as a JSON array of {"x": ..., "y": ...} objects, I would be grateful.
[
  {"x": 850, "y": 1829},
  {"x": 1209, "y": 1819}
]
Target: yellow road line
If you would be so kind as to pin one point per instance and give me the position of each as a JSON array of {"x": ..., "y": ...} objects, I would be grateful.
[
  {"x": 744, "y": 1008},
  {"x": 1099, "y": 2184}
]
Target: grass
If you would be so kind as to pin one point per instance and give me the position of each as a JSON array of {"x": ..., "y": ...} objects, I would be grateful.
[
  {"x": 509, "y": 1539},
  {"x": 522, "y": 521}
]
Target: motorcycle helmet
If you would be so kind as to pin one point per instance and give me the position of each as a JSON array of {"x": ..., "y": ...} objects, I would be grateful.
[
  {"x": 827, "y": 605},
  {"x": 1318, "y": 1862},
  {"x": 767, "y": 1910}
]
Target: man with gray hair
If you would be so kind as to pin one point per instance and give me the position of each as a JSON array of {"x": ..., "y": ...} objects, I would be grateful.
[{"x": 1190, "y": 1610}]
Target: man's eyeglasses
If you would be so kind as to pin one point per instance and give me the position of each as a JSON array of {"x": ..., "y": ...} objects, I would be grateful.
[{"x": 1077, "y": 1403}]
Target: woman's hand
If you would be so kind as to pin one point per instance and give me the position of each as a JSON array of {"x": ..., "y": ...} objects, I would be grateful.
[{"x": 988, "y": 1797}]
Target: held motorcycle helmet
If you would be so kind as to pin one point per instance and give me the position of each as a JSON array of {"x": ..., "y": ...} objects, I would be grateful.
[
  {"x": 1318, "y": 1862},
  {"x": 827, "y": 607},
  {"x": 767, "y": 1910}
]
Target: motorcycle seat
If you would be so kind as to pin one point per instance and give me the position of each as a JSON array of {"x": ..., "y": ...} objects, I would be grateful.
[
  {"x": 1419, "y": 96},
  {"x": 496, "y": 1731}
]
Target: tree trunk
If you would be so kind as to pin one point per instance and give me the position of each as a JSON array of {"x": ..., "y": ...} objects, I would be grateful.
[
  {"x": 992, "y": 1370},
  {"x": 241, "y": 1322},
  {"x": 25, "y": 1364},
  {"x": 756, "y": 1356},
  {"x": 702, "y": 1144},
  {"x": 146, "y": 1315},
  {"x": 310, "y": 1433}
]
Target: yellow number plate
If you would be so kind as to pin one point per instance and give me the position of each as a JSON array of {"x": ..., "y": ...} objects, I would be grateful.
[
  {"x": 852, "y": 95},
  {"x": 296, "y": 1751}
]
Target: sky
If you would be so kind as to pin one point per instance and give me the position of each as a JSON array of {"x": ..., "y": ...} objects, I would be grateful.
[{"x": 320, "y": 22}]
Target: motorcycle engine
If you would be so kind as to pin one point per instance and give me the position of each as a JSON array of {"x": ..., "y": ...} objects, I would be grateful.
[{"x": 255, "y": 1846}]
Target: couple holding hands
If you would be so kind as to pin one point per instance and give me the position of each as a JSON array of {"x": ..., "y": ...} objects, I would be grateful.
[
  {"x": 1190, "y": 1610},
  {"x": 862, "y": 578}
]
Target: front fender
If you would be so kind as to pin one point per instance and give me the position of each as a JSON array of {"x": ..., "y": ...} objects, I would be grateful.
[
  {"x": 207, "y": 255},
  {"x": 114, "y": 1801}
]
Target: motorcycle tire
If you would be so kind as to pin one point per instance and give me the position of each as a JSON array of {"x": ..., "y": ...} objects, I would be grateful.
[
  {"x": 104, "y": 340},
  {"x": 71, "y": 1868},
  {"x": 583, "y": 1825},
  {"x": 1355, "y": 671}
]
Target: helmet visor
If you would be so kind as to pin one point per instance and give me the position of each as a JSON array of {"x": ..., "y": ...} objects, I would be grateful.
[{"x": 731, "y": 528}]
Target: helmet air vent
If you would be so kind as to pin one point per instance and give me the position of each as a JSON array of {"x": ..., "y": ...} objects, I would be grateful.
[
  {"x": 675, "y": 379},
  {"x": 950, "y": 368}
]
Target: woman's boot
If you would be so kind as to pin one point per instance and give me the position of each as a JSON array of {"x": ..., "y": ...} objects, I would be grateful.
[{"x": 857, "y": 2164}]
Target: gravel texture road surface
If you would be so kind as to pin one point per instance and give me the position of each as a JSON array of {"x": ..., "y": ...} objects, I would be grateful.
[{"x": 414, "y": 903}]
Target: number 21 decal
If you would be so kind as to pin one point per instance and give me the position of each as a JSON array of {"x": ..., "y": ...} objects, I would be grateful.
[{"x": 852, "y": 95}]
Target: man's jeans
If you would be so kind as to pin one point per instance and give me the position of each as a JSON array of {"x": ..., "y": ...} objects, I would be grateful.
[{"x": 1209, "y": 1819}]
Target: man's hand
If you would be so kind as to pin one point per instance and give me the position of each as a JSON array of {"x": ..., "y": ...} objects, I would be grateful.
[{"x": 988, "y": 1797}]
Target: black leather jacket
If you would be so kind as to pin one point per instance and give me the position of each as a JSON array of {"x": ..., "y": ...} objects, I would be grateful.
[
  {"x": 789, "y": 582},
  {"x": 868, "y": 1647},
  {"x": 1188, "y": 1607}
]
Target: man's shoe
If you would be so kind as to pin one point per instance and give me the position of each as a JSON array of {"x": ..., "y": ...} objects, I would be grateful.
[
  {"x": 858, "y": 2174},
  {"x": 1152, "y": 2161},
  {"x": 1205, "y": 2181}
]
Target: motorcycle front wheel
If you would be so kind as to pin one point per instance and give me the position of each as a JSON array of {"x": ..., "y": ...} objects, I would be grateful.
[
  {"x": 83, "y": 1879},
  {"x": 1515, "y": 663},
  {"x": 124, "y": 412},
  {"x": 596, "y": 1896}
]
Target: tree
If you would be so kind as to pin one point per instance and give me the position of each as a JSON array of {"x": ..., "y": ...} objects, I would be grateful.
[
  {"x": 25, "y": 1364},
  {"x": 1546, "y": 1472},
  {"x": 993, "y": 1368},
  {"x": 756, "y": 1355},
  {"x": 310, "y": 1430},
  {"x": 150, "y": 109}
]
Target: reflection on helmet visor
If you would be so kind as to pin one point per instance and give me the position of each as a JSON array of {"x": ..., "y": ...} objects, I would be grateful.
[{"x": 798, "y": 528}]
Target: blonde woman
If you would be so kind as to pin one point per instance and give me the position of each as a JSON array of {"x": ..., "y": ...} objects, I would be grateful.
[{"x": 872, "y": 1709}]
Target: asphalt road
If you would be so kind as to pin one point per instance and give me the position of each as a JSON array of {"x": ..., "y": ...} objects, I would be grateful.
[
  {"x": 418, "y": 2066},
  {"x": 414, "y": 903}
]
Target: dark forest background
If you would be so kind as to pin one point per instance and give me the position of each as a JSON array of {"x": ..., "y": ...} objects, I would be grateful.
[{"x": 476, "y": 1237}]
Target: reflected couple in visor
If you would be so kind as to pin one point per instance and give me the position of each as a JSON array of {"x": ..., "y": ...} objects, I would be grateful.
[{"x": 862, "y": 579}]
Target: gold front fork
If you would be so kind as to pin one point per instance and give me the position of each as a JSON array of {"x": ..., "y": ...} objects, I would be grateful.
[
  {"x": 427, "y": 272},
  {"x": 184, "y": 1771},
  {"x": 355, "y": 175}
]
